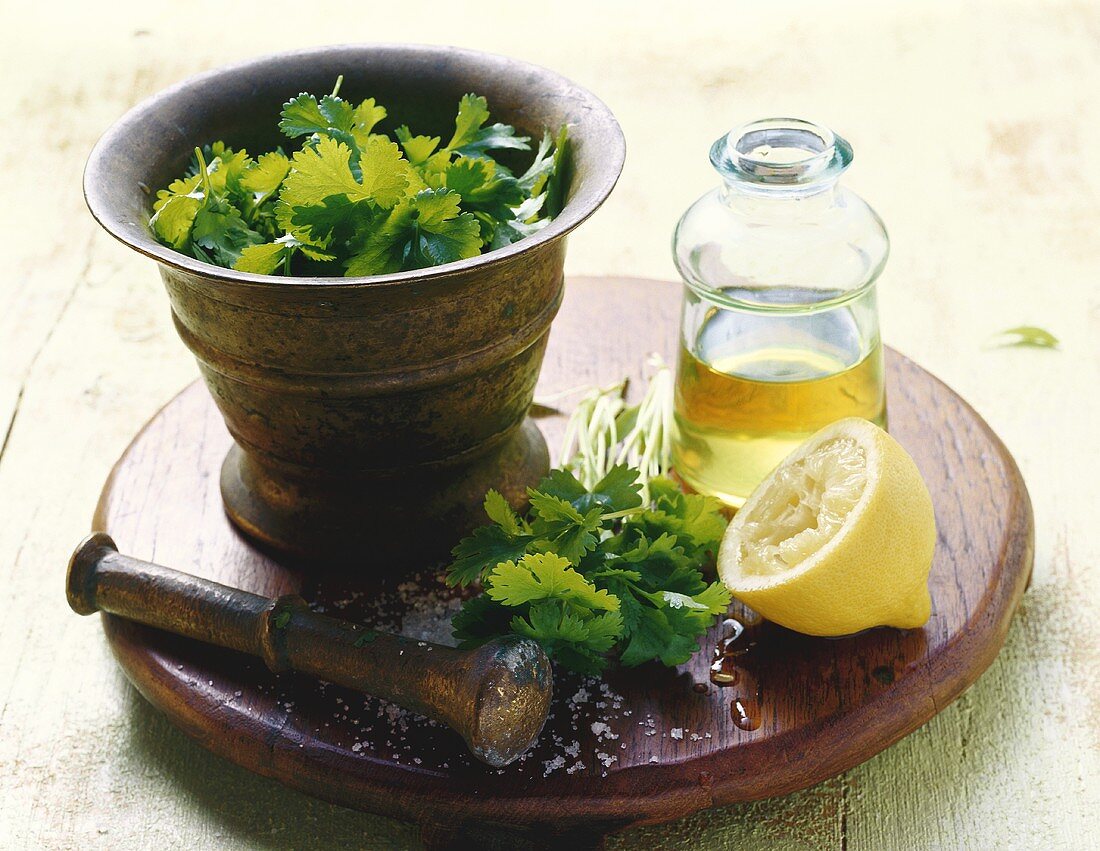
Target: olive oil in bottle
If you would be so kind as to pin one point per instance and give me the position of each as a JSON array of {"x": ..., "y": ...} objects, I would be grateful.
[{"x": 740, "y": 411}]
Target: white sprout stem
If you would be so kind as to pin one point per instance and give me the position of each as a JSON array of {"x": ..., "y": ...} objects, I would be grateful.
[
  {"x": 592, "y": 443},
  {"x": 591, "y": 433},
  {"x": 648, "y": 446}
]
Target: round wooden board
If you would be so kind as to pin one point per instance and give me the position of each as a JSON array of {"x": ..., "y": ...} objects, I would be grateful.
[{"x": 646, "y": 745}]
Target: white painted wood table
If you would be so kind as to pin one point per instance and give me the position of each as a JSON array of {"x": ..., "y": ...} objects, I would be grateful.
[{"x": 975, "y": 129}]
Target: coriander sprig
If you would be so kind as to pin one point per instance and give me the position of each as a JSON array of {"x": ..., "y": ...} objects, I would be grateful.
[
  {"x": 592, "y": 571},
  {"x": 606, "y": 562}
]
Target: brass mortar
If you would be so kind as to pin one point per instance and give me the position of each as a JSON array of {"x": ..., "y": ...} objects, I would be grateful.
[{"x": 368, "y": 414}]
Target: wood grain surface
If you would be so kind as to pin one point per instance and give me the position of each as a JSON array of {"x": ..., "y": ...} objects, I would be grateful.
[
  {"x": 970, "y": 123},
  {"x": 650, "y": 744}
]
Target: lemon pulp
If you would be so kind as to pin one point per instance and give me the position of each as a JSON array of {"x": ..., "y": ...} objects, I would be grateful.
[{"x": 808, "y": 501}]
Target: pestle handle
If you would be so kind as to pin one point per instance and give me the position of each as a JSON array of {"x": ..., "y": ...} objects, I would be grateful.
[{"x": 496, "y": 696}]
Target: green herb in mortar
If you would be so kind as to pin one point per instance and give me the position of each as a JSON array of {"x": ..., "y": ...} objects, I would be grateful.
[{"x": 354, "y": 201}]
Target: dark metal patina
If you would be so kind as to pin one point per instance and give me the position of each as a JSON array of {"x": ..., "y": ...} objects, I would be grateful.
[
  {"x": 362, "y": 406},
  {"x": 496, "y": 697}
]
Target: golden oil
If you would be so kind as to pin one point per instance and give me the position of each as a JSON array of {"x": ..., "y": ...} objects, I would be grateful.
[{"x": 739, "y": 414}]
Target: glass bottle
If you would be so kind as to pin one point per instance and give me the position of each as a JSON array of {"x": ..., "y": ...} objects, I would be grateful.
[{"x": 779, "y": 331}]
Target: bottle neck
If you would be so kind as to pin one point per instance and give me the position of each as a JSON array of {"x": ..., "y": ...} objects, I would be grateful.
[{"x": 767, "y": 202}]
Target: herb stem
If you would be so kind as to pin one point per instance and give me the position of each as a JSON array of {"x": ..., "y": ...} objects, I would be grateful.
[
  {"x": 626, "y": 512},
  {"x": 336, "y": 88},
  {"x": 208, "y": 188}
]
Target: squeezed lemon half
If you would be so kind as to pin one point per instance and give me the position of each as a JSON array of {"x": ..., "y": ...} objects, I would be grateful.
[{"x": 838, "y": 538}]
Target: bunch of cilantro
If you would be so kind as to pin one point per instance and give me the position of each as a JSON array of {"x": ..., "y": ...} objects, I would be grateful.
[
  {"x": 354, "y": 201},
  {"x": 594, "y": 573}
]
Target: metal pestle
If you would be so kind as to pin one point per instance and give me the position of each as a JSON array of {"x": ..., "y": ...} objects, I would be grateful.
[{"x": 496, "y": 696}]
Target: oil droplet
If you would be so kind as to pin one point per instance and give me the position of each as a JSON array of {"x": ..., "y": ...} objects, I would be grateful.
[
  {"x": 731, "y": 629},
  {"x": 729, "y": 651},
  {"x": 742, "y": 717},
  {"x": 722, "y": 673}
]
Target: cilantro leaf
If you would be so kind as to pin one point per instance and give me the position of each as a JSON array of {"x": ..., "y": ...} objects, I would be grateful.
[
  {"x": 663, "y": 561},
  {"x": 472, "y": 139},
  {"x": 479, "y": 620},
  {"x": 654, "y": 637},
  {"x": 386, "y": 175},
  {"x": 220, "y": 230},
  {"x": 325, "y": 170},
  {"x": 619, "y": 490},
  {"x": 264, "y": 177},
  {"x": 575, "y": 640},
  {"x": 665, "y": 624},
  {"x": 224, "y": 167},
  {"x": 302, "y": 116},
  {"x": 334, "y": 222},
  {"x": 715, "y": 599},
  {"x": 427, "y": 160},
  {"x": 561, "y": 528},
  {"x": 603, "y": 631},
  {"x": 425, "y": 230},
  {"x": 334, "y": 118},
  {"x": 366, "y": 116},
  {"x": 588, "y": 580},
  {"x": 1025, "y": 335},
  {"x": 175, "y": 210},
  {"x": 473, "y": 111},
  {"x": 268, "y": 257},
  {"x": 419, "y": 149},
  {"x": 658, "y": 576},
  {"x": 263, "y": 259},
  {"x": 557, "y": 183},
  {"x": 524, "y": 223},
  {"x": 541, "y": 576},
  {"x": 562, "y": 484},
  {"x": 482, "y": 186},
  {"x": 533, "y": 180},
  {"x": 695, "y": 520},
  {"x": 197, "y": 212},
  {"x": 228, "y": 167},
  {"x": 483, "y": 550},
  {"x": 620, "y": 584},
  {"x": 339, "y": 114},
  {"x": 501, "y": 513}
]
